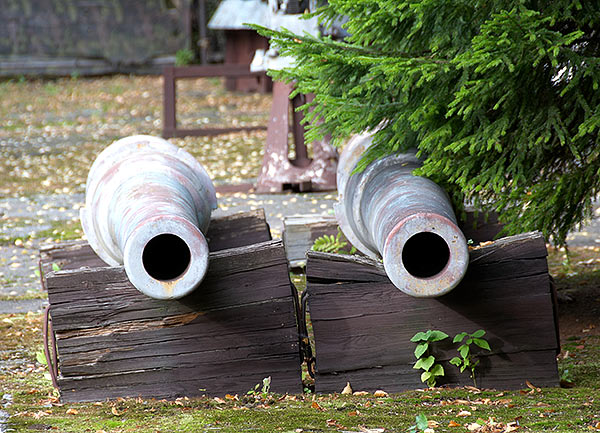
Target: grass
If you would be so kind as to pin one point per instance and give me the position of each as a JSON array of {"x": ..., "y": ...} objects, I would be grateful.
[
  {"x": 36, "y": 407},
  {"x": 61, "y": 230}
]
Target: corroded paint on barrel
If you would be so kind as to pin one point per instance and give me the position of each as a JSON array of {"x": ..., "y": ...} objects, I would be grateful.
[
  {"x": 407, "y": 220},
  {"x": 148, "y": 204}
]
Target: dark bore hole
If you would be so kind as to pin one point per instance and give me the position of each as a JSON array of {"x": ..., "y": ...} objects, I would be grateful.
[
  {"x": 166, "y": 257},
  {"x": 425, "y": 255}
]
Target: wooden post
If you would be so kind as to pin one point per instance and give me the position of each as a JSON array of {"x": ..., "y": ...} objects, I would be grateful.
[
  {"x": 203, "y": 39},
  {"x": 169, "y": 102}
]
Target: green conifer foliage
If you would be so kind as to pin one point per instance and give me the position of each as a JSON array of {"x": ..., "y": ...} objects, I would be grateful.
[{"x": 500, "y": 97}]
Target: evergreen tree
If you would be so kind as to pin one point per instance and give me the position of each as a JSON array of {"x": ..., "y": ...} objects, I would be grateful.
[{"x": 500, "y": 97}]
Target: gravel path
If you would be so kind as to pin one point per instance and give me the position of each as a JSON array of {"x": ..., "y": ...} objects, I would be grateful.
[{"x": 27, "y": 217}]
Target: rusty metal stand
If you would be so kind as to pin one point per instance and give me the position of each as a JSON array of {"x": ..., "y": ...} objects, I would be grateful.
[
  {"x": 278, "y": 171},
  {"x": 171, "y": 74}
]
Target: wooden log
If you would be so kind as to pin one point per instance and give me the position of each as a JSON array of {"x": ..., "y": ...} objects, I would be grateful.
[
  {"x": 300, "y": 232},
  {"x": 237, "y": 328},
  {"x": 363, "y": 324},
  {"x": 231, "y": 231}
]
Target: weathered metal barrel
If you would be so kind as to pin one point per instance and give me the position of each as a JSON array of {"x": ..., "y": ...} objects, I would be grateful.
[
  {"x": 148, "y": 204},
  {"x": 385, "y": 211}
]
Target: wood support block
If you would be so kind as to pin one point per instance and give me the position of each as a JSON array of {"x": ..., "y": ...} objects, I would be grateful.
[
  {"x": 237, "y": 328},
  {"x": 363, "y": 324},
  {"x": 300, "y": 232}
]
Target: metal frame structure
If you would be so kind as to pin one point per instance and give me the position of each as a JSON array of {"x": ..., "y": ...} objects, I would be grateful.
[{"x": 170, "y": 76}]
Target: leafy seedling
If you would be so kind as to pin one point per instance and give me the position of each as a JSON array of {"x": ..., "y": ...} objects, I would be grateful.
[
  {"x": 420, "y": 424},
  {"x": 425, "y": 360},
  {"x": 466, "y": 359},
  {"x": 331, "y": 244},
  {"x": 264, "y": 389}
]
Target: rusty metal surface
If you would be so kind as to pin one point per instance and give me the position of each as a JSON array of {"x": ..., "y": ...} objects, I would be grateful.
[
  {"x": 277, "y": 171},
  {"x": 406, "y": 220},
  {"x": 148, "y": 204}
]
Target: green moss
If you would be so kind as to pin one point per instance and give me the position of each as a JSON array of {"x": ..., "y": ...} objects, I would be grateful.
[{"x": 61, "y": 230}]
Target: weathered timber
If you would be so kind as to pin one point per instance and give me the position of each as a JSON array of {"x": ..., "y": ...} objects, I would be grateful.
[
  {"x": 231, "y": 231},
  {"x": 300, "y": 232},
  {"x": 363, "y": 324},
  {"x": 238, "y": 327}
]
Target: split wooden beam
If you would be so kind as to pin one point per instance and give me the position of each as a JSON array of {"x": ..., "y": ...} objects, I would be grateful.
[
  {"x": 300, "y": 232},
  {"x": 363, "y": 324},
  {"x": 237, "y": 328}
]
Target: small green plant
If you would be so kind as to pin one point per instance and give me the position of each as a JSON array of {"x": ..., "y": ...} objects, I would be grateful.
[
  {"x": 331, "y": 244},
  {"x": 264, "y": 389},
  {"x": 421, "y": 424},
  {"x": 466, "y": 359},
  {"x": 425, "y": 360},
  {"x": 184, "y": 57}
]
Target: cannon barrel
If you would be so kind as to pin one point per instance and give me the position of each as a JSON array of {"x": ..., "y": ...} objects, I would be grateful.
[
  {"x": 147, "y": 206},
  {"x": 385, "y": 211}
]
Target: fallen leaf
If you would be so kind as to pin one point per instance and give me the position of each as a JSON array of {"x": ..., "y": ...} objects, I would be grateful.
[
  {"x": 347, "y": 389},
  {"x": 472, "y": 389},
  {"x": 380, "y": 393},
  {"x": 464, "y": 413},
  {"x": 510, "y": 427},
  {"x": 72, "y": 411},
  {"x": 359, "y": 393},
  {"x": 473, "y": 426},
  {"x": 231, "y": 397},
  {"x": 454, "y": 424},
  {"x": 317, "y": 406},
  {"x": 334, "y": 423},
  {"x": 532, "y": 387},
  {"x": 219, "y": 400},
  {"x": 115, "y": 412}
]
